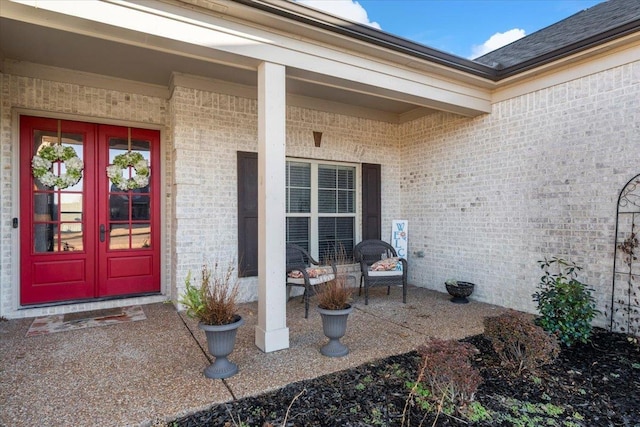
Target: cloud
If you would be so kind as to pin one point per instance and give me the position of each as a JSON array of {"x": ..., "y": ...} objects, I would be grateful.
[
  {"x": 348, "y": 9},
  {"x": 496, "y": 41}
]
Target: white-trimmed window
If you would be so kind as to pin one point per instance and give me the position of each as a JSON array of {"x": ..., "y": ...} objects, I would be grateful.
[{"x": 321, "y": 206}]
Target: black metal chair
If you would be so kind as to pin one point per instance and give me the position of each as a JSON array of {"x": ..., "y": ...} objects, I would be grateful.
[
  {"x": 299, "y": 260},
  {"x": 367, "y": 253}
]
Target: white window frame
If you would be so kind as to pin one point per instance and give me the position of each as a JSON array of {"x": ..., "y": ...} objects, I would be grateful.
[{"x": 314, "y": 215}]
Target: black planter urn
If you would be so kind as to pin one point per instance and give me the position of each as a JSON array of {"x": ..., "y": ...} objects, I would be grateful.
[{"x": 459, "y": 291}]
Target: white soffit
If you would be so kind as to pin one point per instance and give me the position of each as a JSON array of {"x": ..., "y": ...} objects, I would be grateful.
[{"x": 181, "y": 31}]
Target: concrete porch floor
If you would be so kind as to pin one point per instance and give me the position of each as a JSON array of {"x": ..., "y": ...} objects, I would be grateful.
[{"x": 140, "y": 372}]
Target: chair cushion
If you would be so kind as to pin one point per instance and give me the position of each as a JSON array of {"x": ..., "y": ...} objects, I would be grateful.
[
  {"x": 317, "y": 275},
  {"x": 385, "y": 273},
  {"x": 312, "y": 281},
  {"x": 387, "y": 264},
  {"x": 313, "y": 272}
]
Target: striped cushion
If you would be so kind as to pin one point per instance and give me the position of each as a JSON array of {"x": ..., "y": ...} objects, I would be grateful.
[
  {"x": 388, "y": 264},
  {"x": 313, "y": 281}
]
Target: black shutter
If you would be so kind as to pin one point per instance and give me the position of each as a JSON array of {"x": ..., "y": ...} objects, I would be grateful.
[
  {"x": 247, "y": 214},
  {"x": 371, "y": 202}
]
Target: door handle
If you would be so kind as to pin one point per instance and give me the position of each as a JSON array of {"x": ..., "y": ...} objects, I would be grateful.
[{"x": 102, "y": 232}]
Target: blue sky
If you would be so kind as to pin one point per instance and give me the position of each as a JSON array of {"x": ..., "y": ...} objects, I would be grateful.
[{"x": 466, "y": 28}]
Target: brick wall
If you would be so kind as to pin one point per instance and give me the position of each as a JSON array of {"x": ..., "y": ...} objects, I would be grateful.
[
  {"x": 485, "y": 197},
  {"x": 6, "y": 202},
  {"x": 208, "y": 130},
  {"x": 540, "y": 176}
]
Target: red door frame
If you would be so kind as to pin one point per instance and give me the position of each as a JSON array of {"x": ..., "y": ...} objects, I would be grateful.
[{"x": 94, "y": 271}]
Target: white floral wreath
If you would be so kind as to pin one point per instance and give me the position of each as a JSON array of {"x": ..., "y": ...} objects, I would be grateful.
[
  {"x": 124, "y": 161},
  {"x": 41, "y": 166}
]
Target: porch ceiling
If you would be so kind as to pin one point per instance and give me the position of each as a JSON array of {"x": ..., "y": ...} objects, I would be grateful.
[
  {"x": 26, "y": 42},
  {"x": 34, "y": 35}
]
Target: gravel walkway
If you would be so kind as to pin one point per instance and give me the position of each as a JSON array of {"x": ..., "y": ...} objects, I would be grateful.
[{"x": 140, "y": 372}]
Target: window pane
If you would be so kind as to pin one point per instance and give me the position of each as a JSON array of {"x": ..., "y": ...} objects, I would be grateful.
[
  {"x": 298, "y": 179},
  {"x": 346, "y": 201},
  {"x": 298, "y": 200},
  {"x": 299, "y": 174},
  {"x": 346, "y": 178},
  {"x": 334, "y": 190},
  {"x": 327, "y": 201},
  {"x": 298, "y": 231},
  {"x": 336, "y": 193},
  {"x": 326, "y": 176},
  {"x": 344, "y": 229},
  {"x": 335, "y": 235}
]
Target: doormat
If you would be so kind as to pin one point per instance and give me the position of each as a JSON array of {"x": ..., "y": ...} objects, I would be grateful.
[{"x": 86, "y": 319}]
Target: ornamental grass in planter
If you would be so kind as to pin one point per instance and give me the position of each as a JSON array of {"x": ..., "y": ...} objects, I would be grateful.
[
  {"x": 214, "y": 304},
  {"x": 335, "y": 294},
  {"x": 334, "y": 299}
]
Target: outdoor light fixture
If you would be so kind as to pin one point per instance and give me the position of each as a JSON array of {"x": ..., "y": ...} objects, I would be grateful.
[{"x": 317, "y": 138}]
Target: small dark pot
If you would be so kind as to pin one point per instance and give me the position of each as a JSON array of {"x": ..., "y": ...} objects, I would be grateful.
[
  {"x": 460, "y": 291},
  {"x": 334, "y": 325},
  {"x": 220, "y": 340}
]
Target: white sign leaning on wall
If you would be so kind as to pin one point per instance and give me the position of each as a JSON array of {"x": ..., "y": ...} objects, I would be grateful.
[{"x": 399, "y": 238}]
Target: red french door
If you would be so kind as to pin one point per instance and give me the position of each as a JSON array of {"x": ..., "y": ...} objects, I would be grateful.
[{"x": 91, "y": 239}]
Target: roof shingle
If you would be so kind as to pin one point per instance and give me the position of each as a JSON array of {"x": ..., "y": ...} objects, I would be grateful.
[{"x": 588, "y": 23}]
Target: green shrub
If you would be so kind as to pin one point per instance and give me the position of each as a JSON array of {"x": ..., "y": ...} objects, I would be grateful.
[
  {"x": 447, "y": 380},
  {"x": 566, "y": 305},
  {"x": 519, "y": 342},
  {"x": 213, "y": 302}
]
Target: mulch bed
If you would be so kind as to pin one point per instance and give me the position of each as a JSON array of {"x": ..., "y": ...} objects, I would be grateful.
[{"x": 595, "y": 384}]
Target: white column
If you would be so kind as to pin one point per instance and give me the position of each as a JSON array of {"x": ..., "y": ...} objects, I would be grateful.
[{"x": 271, "y": 331}]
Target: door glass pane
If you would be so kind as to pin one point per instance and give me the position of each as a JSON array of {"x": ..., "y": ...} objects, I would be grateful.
[
  {"x": 129, "y": 208},
  {"x": 140, "y": 204},
  {"x": 58, "y": 212},
  {"x": 43, "y": 237},
  {"x": 118, "y": 146},
  {"x": 71, "y": 221},
  {"x": 55, "y": 236},
  {"x": 119, "y": 206},
  {"x": 43, "y": 207},
  {"x": 141, "y": 237},
  {"x": 119, "y": 236},
  {"x": 43, "y": 139}
]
